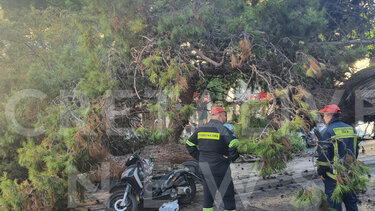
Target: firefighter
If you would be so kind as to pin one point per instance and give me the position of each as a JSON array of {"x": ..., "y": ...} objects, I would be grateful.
[
  {"x": 214, "y": 146},
  {"x": 336, "y": 140}
]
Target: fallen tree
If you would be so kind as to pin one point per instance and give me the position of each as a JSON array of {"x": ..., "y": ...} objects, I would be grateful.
[{"x": 173, "y": 48}]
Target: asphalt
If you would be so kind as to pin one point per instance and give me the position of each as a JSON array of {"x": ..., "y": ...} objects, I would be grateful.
[{"x": 300, "y": 170}]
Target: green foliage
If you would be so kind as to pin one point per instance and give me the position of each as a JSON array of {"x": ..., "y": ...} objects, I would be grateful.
[
  {"x": 187, "y": 111},
  {"x": 291, "y": 18},
  {"x": 311, "y": 198},
  {"x": 37, "y": 57},
  {"x": 189, "y": 23},
  {"x": 351, "y": 25},
  {"x": 73, "y": 5},
  {"x": 46, "y": 163},
  {"x": 313, "y": 115},
  {"x": 96, "y": 84},
  {"x": 156, "y": 136},
  {"x": 216, "y": 90},
  {"x": 159, "y": 136},
  {"x": 338, "y": 192},
  {"x": 153, "y": 67},
  {"x": 11, "y": 195},
  {"x": 142, "y": 132},
  {"x": 273, "y": 147},
  {"x": 94, "y": 46},
  {"x": 296, "y": 142},
  {"x": 31, "y": 155},
  {"x": 276, "y": 148},
  {"x": 251, "y": 118},
  {"x": 352, "y": 176},
  {"x": 272, "y": 156},
  {"x": 45, "y": 52}
]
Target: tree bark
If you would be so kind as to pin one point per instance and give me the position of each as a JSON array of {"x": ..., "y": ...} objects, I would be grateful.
[
  {"x": 164, "y": 156},
  {"x": 177, "y": 124}
]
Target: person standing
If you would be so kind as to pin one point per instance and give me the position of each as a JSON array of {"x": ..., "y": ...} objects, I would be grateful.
[
  {"x": 217, "y": 148},
  {"x": 335, "y": 142}
]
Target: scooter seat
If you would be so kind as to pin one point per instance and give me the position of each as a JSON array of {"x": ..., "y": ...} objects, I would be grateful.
[{"x": 162, "y": 176}]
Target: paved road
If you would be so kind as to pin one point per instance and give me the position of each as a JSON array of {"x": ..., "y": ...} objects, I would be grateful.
[
  {"x": 275, "y": 193},
  {"x": 279, "y": 198},
  {"x": 279, "y": 193}
]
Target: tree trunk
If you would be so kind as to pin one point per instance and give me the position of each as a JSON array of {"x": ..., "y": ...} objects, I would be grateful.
[
  {"x": 177, "y": 124},
  {"x": 164, "y": 156}
]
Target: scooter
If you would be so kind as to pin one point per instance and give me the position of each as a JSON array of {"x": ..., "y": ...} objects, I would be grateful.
[{"x": 138, "y": 185}]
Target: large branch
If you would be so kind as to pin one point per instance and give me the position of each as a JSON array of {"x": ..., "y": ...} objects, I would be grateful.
[
  {"x": 199, "y": 53},
  {"x": 349, "y": 42}
]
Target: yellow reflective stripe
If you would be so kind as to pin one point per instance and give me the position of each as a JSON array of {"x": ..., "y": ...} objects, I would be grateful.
[
  {"x": 190, "y": 144},
  {"x": 336, "y": 156},
  {"x": 208, "y": 209},
  {"x": 355, "y": 146},
  {"x": 346, "y": 136},
  {"x": 353, "y": 136},
  {"x": 208, "y": 135},
  {"x": 321, "y": 163},
  {"x": 343, "y": 131},
  {"x": 331, "y": 175},
  {"x": 233, "y": 142}
]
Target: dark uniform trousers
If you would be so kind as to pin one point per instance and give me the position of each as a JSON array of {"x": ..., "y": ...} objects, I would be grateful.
[
  {"x": 209, "y": 144},
  {"x": 218, "y": 178},
  {"x": 336, "y": 141},
  {"x": 350, "y": 200}
]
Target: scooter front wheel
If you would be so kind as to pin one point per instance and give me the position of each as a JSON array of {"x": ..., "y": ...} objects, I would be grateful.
[
  {"x": 114, "y": 203},
  {"x": 189, "y": 197}
]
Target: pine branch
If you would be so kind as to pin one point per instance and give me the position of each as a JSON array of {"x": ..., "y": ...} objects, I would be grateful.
[
  {"x": 199, "y": 53},
  {"x": 349, "y": 42}
]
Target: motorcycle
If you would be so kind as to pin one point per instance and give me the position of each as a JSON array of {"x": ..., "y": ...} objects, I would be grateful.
[{"x": 138, "y": 185}]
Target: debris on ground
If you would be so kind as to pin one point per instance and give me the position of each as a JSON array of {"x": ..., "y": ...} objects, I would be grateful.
[
  {"x": 169, "y": 206},
  {"x": 310, "y": 198}
]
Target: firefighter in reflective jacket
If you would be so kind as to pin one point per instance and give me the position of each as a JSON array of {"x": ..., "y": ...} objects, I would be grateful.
[
  {"x": 214, "y": 146},
  {"x": 336, "y": 140}
]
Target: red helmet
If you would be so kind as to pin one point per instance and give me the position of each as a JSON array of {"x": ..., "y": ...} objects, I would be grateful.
[
  {"x": 217, "y": 110},
  {"x": 333, "y": 109}
]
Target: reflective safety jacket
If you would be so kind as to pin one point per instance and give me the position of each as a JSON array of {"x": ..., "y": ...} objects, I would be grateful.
[
  {"x": 337, "y": 140},
  {"x": 211, "y": 141}
]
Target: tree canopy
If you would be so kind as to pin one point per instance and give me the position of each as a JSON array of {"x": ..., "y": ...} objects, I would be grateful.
[{"x": 169, "y": 48}]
